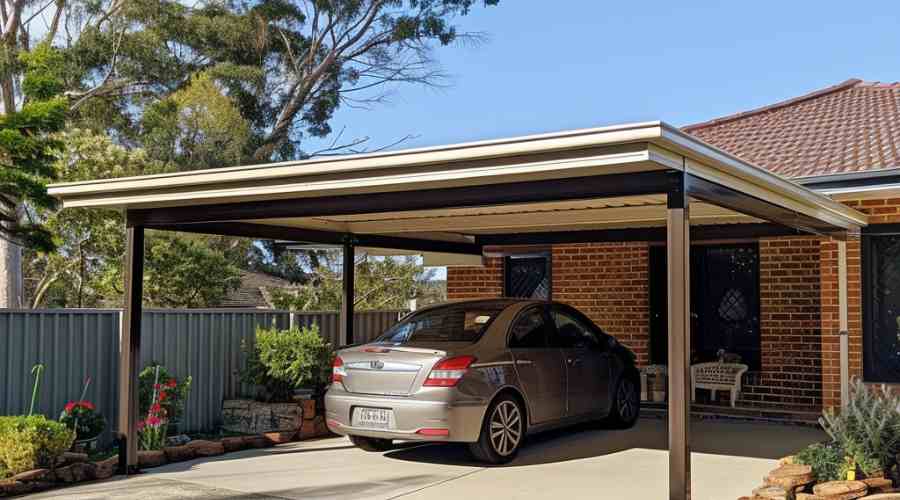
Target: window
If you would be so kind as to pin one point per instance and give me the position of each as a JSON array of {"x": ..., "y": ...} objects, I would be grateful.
[
  {"x": 881, "y": 307},
  {"x": 572, "y": 332},
  {"x": 528, "y": 276},
  {"x": 453, "y": 323},
  {"x": 530, "y": 330}
]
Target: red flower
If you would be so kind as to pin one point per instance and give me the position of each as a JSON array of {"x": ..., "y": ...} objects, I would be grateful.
[
  {"x": 153, "y": 421},
  {"x": 172, "y": 383},
  {"x": 155, "y": 408},
  {"x": 157, "y": 386},
  {"x": 87, "y": 404},
  {"x": 70, "y": 406},
  {"x": 163, "y": 396},
  {"x": 140, "y": 425}
]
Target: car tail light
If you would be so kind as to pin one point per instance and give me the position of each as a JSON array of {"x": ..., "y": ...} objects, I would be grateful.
[
  {"x": 448, "y": 371},
  {"x": 433, "y": 432},
  {"x": 338, "y": 372}
]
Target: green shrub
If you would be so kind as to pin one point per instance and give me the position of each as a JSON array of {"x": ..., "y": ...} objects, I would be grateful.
[
  {"x": 868, "y": 430},
  {"x": 284, "y": 360},
  {"x": 30, "y": 442},
  {"x": 827, "y": 461}
]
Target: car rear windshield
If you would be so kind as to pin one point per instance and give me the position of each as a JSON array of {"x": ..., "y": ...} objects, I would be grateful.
[{"x": 454, "y": 323}]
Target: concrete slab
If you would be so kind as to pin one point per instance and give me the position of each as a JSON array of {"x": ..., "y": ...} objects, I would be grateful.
[{"x": 728, "y": 461}]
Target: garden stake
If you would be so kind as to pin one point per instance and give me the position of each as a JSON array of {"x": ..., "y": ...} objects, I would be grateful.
[{"x": 36, "y": 370}]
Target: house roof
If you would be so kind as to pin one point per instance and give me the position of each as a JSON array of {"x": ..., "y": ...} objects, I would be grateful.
[
  {"x": 853, "y": 126},
  {"x": 253, "y": 291}
]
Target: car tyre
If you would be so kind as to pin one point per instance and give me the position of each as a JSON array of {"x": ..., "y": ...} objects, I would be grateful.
[
  {"x": 502, "y": 431},
  {"x": 626, "y": 404},
  {"x": 372, "y": 444}
]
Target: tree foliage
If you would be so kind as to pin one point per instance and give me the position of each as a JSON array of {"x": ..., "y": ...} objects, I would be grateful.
[
  {"x": 26, "y": 149},
  {"x": 380, "y": 283}
]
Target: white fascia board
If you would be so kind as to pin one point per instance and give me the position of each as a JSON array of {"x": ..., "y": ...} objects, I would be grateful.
[
  {"x": 515, "y": 146},
  {"x": 718, "y": 166}
]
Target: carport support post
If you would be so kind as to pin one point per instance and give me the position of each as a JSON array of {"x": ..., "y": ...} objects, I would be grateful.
[
  {"x": 678, "y": 245},
  {"x": 348, "y": 296},
  {"x": 129, "y": 349}
]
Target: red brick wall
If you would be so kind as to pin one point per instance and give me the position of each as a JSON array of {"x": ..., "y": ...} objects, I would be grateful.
[
  {"x": 609, "y": 282},
  {"x": 880, "y": 211},
  {"x": 790, "y": 329},
  {"x": 476, "y": 282}
]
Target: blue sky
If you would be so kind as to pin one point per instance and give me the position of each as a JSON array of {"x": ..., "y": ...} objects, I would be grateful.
[{"x": 596, "y": 63}]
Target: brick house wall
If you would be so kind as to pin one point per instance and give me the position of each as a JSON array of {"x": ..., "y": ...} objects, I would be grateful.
[{"x": 609, "y": 282}]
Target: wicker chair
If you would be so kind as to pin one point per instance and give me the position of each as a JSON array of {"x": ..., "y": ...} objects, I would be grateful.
[{"x": 717, "y": 376}]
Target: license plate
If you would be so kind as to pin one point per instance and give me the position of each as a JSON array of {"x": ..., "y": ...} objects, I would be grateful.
[{"x": 373, "y": 418}]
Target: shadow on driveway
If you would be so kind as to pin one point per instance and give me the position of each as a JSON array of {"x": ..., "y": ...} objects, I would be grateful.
[{"x": 743, "y": 439}]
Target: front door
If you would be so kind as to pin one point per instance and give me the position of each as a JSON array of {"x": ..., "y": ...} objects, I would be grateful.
[
  {"x": 587, "y": 364},
  {"x": 542, "y": 372},
  {"x": 724, "y": 303}
]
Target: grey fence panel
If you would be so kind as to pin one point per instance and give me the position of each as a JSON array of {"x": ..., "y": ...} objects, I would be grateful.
[
  {"x": 73, "y": 344},
  {"x": 204, "y": 343},
  {"x": 366, "y": 324}
]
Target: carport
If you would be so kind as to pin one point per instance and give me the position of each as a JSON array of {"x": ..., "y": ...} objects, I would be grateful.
[{"x": 634, "y": 182}]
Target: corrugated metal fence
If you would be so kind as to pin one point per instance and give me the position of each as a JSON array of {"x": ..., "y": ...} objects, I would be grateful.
[{"x": 204, "y": 343}]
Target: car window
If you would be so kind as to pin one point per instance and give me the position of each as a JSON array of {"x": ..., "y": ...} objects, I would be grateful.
[
  {"x": 530, "y": 330},
  {"x": 572, "y": 332},
  {"x": 453, "y": 323}
]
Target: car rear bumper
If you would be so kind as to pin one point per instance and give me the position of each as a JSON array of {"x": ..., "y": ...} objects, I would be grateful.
[{"x": 462, "y": 419}]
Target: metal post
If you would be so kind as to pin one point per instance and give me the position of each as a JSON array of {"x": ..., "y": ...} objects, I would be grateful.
[
  {"x": 679, "y": 303},
  {"x": 129, "y": 349},
  {"x": 843, "y": 329},
  {"x": 348, "y": 297}
]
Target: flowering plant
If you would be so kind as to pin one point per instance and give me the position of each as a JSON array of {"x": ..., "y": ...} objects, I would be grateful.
[
  {"x": 153, "y": 429},
  {"x": 83, "y": 418},
  {"x": 157, "y": 385}
]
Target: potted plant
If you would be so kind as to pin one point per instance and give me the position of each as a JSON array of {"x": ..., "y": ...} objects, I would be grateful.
[
  {"x": 85, "y": 420},
  {"x": 158, "y": 386}
]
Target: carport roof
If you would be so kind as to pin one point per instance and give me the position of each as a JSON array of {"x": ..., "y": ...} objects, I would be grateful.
[{"x": 593, "y": 179}]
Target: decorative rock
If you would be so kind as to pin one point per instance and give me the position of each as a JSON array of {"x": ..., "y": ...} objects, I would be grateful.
[
  {"x": 13, "y": 488},
  {"x": 204, "y": 448},
  {"x": 258, "y": 441},
  {"x": 106, "y": 468},
  {"x": 790, "y": 476},
  {"x": 878, "y": 484},
  {"x": 309, "y": 409},
  {"x": 179, "y": 453},
  {"x": 234, "y": 443},
  {"x": 246, "y": 416},
  {"x": 771, "y": 492},
  {"x": 31, "y": 475},
  {"x": 75, "y": 473},
  {"x": 151, "y": 458},
  {"x": 841, "y": 490},
  {"x": 883, "y": 496},
  {"x": 280, "y": 437},
  {"x": 808, "y": 496},
  {"x": 180, "y": 439},
  {"x": 70, "y": 457}
]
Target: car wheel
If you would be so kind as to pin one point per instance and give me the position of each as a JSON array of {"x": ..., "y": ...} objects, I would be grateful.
[
  {"x": 371, "y": 444},
  {"x": 626, "y": 406},
  {"x": 502, "y": 432}
]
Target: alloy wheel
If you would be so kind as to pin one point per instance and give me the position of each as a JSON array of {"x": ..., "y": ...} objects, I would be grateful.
[
  {"x": 506, "y": 428},
  {"x": 627, "y": 400}
]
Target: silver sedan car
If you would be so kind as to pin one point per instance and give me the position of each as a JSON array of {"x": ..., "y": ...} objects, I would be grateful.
[{"x": 483, "y": 372}]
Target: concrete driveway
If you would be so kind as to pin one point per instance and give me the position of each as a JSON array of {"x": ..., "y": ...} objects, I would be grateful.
[{"x": 729, "y": 459}]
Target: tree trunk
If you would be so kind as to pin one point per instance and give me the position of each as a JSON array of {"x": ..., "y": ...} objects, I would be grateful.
[{"x": 11, "y": 282}]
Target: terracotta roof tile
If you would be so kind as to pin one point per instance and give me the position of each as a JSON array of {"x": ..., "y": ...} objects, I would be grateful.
[{"x": 850, "y": 127}]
